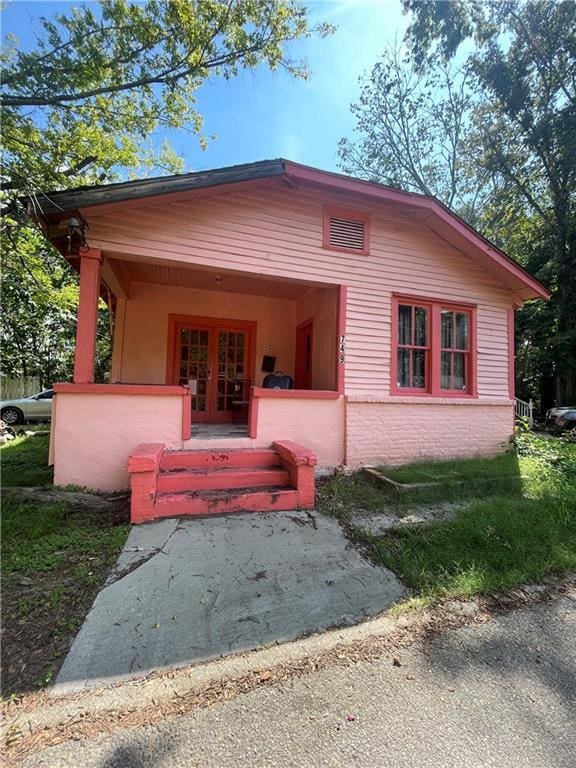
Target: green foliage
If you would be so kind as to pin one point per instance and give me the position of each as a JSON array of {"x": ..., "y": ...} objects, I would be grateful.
[
  {"x": 505, "y": 161},
  {"x": 89, "y": 104},
  {"x": 25, "y": 462},
  {"x": 501, "y": 537},
  {"x": 48, "y": 536},
  {"x": 104, "y": 78}
]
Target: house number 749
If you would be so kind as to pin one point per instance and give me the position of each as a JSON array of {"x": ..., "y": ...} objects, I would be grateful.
[{"x": 342, "y": 347}]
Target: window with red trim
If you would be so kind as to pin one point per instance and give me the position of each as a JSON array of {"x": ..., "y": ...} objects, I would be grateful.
[
  {"x": 432, "y": 349},
  {"x": 413, "y": 352}
]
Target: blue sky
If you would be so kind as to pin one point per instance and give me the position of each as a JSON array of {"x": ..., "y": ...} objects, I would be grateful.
[{"x": 262, "y": 114}]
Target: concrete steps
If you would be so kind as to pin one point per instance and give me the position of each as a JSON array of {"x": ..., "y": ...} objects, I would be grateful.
[{"x": 212, "y": 482}]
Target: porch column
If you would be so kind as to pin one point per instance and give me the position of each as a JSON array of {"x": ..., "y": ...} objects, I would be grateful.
[{"x": 84, "y": 360}]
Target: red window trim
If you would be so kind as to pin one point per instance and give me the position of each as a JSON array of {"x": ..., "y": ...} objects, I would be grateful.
[
  {"x": 345, "y": 213},
  {"x": 433, "y": 372}
]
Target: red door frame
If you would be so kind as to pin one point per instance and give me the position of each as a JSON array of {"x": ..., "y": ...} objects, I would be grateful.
[
  {"x": 177, "y": 322},
  {"x": 303, "y": 377}
]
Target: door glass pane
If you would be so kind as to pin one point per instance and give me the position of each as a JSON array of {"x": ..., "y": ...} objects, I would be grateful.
[
  {"x": 459, "y": 370},
  {"x": 403, "y": 372},
  {"x": 404, "y": 324},
  {"x": 419, "y": 368},
  {"x": 445, "y": 370},
  {"x": 420, "y": 326},
  {"x": 447, "y": 329},
  {"x": 461, "y": 330}
]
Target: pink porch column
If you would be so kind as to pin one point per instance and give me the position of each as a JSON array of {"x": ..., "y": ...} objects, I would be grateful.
[{"x": 90, "y": 263}]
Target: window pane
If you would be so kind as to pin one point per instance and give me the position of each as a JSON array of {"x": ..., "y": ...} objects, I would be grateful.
[
  {"x": 403, "y": 372},
  {"x": 445, "y": 370},
  {"x": 461, "y": 330},
  {"x": 459, "y": 370},
  {"x": 404, "y": 324},
  {"x": 420, "y": 326},
  {"x": 447, "y": 329},
  {"x": 419, "y": 368}
]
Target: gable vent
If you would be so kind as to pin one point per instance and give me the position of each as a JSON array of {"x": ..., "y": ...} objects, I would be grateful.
[
  {"x": 346, "y": 230},
  {"x": 347, "y": 233}
]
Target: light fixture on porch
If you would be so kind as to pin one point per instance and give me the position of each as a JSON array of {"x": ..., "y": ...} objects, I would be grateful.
[{"x": 219, "y": 279}]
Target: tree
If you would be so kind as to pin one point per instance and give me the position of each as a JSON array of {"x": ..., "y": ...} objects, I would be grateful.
[
  {"x": 89, "y": 104},
  {"x": 506, "y": 162},
  {"x": 524, "y": 66},
  {"x": 104, "y": 79},
  {"x": 412, "y": 132}
]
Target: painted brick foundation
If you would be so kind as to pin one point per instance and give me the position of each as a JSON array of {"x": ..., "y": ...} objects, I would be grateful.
[
  {"x": 398, "y": 433},
  {"x": 209, "y": 482}
]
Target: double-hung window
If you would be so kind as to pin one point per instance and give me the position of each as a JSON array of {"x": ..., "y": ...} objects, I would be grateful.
[{"x": 432, "y": 349}]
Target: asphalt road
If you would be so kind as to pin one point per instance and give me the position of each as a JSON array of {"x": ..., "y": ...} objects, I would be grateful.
[{"x": 500, "y": 694}]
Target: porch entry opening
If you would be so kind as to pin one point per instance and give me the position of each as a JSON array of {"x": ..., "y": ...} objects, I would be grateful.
[
  {"x": 303, "y": 372},
  {"x": 214, "y": 362}
]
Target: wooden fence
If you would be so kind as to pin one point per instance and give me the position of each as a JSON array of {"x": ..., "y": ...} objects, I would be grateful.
[{"x": 21, "y": 387}]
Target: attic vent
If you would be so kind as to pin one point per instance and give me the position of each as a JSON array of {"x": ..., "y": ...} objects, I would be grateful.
[{"x": 346, "y": 230}]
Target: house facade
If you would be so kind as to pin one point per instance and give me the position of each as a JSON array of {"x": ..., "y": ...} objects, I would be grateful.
[{"x": 394, "y": 319}]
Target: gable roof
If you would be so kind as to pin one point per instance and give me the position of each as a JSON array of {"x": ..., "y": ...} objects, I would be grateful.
[{"x": 428, "y": 209}]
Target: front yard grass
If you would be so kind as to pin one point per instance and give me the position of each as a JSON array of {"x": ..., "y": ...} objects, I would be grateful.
[
  {"x": 517, "y": 522},
  {"x": 56, "y": 555}
]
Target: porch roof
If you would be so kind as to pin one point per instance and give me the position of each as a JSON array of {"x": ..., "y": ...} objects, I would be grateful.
[{"x": 435, "y": 214}]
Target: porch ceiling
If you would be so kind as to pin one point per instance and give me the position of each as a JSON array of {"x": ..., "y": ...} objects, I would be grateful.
[{"x": 226, "y": 281}]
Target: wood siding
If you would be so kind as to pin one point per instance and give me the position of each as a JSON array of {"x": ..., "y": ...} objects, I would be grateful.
[{"x": 278, "y": 232}]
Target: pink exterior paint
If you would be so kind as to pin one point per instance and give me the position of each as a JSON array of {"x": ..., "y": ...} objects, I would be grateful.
[
  {"x": 94, "y": 434},
  {"x": 321, "y": 306},
  {"x": 212, "y": 482},
  {"x": 84, "y": 361},
  {"x": 387, "y": 432},
  {"x": 315, "y": 423},
  {"x": 257, "y": 254},
  {"x": 278, "y": 232},
  {"x": 144, "y": 329}
]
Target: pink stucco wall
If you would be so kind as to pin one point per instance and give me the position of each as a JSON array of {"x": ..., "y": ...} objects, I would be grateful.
[
  {"x": 316, "y": 424},
  {"x": 95, "y": 433},
  {"x": 399, "y": 432}
]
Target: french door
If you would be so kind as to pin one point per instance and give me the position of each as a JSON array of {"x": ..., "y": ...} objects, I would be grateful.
[{"x": 215, "y": 362}]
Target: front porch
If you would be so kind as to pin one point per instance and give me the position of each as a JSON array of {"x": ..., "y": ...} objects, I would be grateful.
[{"x": 191, "y": 350}]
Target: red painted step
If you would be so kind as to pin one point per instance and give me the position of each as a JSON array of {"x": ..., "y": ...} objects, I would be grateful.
[
  {"x": 213, "y": 459},
  {"x": 222, "y": 502},
  {"x": 220, "y": 479}
]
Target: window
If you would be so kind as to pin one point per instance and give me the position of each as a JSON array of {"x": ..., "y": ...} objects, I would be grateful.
[
  {"x": 413, "y": 351},
  {"x": 347, "y": 231},
  {"x": 432, "y": 350}
]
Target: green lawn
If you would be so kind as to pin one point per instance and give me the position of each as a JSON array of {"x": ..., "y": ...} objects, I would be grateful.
[
  {"x": 518, "y": 521},
  {"x": 56, "y": 554},
  {"x": 25, "y": 462}
]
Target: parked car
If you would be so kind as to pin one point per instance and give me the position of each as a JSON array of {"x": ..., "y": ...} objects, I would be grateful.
[
  {"x": 553, "y": 413},
  {"x": 566, "y": 423},
  {"x": 34, "y": 408}
]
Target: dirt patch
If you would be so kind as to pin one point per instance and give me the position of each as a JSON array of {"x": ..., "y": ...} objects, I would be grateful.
[{"x": 42, "y": 610}]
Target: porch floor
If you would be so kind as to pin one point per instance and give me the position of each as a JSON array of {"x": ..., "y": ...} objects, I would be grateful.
[{"x": 215, "y": 431}]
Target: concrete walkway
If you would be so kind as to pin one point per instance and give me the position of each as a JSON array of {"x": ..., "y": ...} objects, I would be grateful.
[
  {"x": 189, "y": 590},
  {"x": 501, "y": 694}
]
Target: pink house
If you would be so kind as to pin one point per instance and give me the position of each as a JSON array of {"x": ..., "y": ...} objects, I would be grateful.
[{"x": 392, "y": 316}]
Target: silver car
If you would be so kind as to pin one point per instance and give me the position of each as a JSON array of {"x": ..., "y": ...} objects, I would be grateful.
[{"x": 34, "y": 408}]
